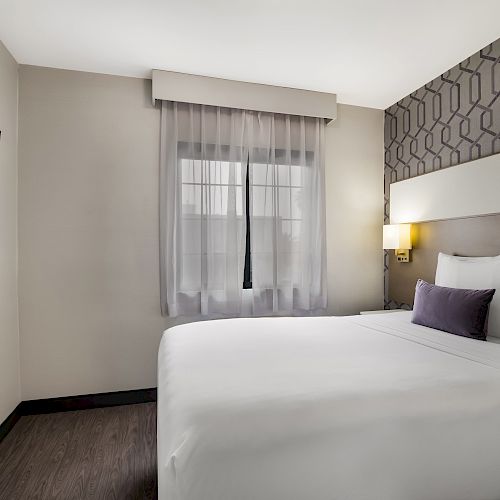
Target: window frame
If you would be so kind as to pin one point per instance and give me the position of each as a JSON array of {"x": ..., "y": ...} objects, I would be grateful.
[{"x": 247, "y": 271}]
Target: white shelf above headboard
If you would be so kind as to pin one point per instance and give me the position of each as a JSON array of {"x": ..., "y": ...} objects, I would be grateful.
[{"x": 467, "y": 190}]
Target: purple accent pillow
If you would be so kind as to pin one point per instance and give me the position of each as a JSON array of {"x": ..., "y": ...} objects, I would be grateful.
[{"x": 454, "y": 310}]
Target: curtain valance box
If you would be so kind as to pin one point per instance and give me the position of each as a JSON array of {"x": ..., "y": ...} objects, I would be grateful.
[{"x": 182, "y": 87}]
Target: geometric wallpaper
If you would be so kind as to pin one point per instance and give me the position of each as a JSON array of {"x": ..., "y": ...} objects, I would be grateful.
[{"x": 453, "y": 119}]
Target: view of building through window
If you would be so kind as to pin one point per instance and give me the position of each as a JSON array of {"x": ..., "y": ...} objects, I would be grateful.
[{"x": 261, "y": 198}]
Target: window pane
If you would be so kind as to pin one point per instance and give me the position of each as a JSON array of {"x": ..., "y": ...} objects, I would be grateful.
[
  {"x": 285, "y": 233},
  {"x": 289, "y": 269},
  {"x": 285, "y": 209},
  {"x": 212, "y": 172},
  {"x": 239, "y": 201},
  {"x": 289, "y": 236},
  {"x": 217, "y": 271},
  {"x": 191, "y": 234},
  {"x": 191, "y": 199},
  {"x": 262, "y": 174},
  {"x": 296, "y": 235},
  {"x": 262, "y": 201},
  {"x": 191, "y": 273},
  {"x": 263, "y": 234},
  {"x": 217, "y": 200},
  {"x": 296, "y": 175},
  {"x": 262, "y": 269},
  {"x": 285, "y": 268},
  {"x": 297, "y": 197},
  {"x": 191, "y": 170},
  {"x": 218, "y": 235},
  {"x": 219, "y": 172},
  {"x": 211, "y": 190},
  {"x": 283, "y": 175}
]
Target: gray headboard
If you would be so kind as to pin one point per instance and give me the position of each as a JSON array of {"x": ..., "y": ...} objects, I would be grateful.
[{"x": 473, "y": 236}]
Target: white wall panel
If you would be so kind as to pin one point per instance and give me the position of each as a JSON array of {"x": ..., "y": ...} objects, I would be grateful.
[{"x": 466, "y": 190}]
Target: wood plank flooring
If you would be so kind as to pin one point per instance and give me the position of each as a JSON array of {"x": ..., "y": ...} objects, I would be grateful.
[{"x": 104, "y": 453}]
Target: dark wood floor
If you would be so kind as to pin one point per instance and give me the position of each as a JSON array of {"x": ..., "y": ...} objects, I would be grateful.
[{"x": 87, "y": 454}]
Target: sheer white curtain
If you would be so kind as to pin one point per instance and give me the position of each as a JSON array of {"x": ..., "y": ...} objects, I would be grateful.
[
  {"x": 205, "y": 152},
  {"x": 202, "y": 228},
  {"x": 287, "y": 213}
]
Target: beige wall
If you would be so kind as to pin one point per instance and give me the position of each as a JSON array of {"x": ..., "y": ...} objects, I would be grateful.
[
  {"x": 354, "y": 210},
  {"x": 88, "y": 228},
  {"x": 10, "y": 391},
  {"x": 88, "y": 233}
]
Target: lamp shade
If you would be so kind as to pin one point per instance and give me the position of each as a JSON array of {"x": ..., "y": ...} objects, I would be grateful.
[{"x": 397, "y": 236}]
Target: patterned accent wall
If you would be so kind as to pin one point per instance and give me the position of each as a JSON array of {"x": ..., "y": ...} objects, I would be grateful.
[{"x": 453, "y": 119}]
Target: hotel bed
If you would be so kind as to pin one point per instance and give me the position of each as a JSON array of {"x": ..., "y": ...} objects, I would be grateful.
[{"x": 327, "y": 408}]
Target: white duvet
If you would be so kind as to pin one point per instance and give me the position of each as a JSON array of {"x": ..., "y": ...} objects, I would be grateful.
[{"x": 330, "y": 408}]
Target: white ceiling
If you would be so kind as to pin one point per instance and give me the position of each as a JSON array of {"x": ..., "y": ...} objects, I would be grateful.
[{"x": 369, "y": 52}]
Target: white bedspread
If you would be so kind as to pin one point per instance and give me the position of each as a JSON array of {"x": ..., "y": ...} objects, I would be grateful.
[{"x": 362, "y": 407}]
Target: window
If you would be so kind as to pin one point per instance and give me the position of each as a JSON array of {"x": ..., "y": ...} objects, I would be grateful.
[
  {"x": 209, "y": 189},
  {"x": 192, "y": 202},
  {"x": 287, "y": 186},
  {"x": 277, "y": 223},
  {"x": 236, "y": 190}
]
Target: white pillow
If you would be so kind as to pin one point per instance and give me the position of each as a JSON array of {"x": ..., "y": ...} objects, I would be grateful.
[{"x": 475, "y": 273}]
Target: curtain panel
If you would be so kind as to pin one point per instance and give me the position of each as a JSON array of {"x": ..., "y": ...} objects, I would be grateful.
[{"x": 206, "y": 154}]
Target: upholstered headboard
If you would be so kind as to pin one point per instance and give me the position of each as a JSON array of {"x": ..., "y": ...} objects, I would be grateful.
[
  {"x": 473, "y": 236},
  {"x": 455, "y": 211}
]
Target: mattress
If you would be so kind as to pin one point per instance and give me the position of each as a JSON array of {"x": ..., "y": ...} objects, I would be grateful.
[{"x": 327, "y": 408}]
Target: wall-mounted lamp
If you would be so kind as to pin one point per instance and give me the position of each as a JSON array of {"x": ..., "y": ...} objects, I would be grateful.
[{"x": 398, "y": 237}]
